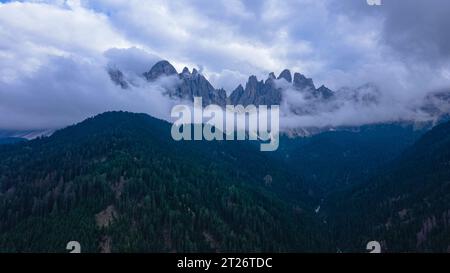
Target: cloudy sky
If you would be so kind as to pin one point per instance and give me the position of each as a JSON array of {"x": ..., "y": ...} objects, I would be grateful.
[{"x": 53, "y": 54}]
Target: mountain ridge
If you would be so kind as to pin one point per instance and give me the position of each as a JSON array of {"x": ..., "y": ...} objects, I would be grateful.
[{"x": 256, "y": 92}]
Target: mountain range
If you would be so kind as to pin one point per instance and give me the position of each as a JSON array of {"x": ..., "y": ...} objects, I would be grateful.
[
  {"x": 255, "y": 92},
  {"x": 272, "y": 91},
  {"x": 295, "y": 93}
]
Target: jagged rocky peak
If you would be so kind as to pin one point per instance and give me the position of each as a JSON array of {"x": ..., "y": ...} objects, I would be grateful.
[
  {"x": 257, "y": 92},
  {"x": 236, "y": 94},
  {"x": 161, "y": 68},
  {"x": 325, "y": 92},
  {"x": 252, "y": 80},
  {"x": 301, "y": 82},
  {"x": 286, "y": 74},
  {"x": 186, "y": 71},
  {"x": 118, "y": 78},
  {"x": 190, "y": 85},
  {"x": 270, "y": 80}
]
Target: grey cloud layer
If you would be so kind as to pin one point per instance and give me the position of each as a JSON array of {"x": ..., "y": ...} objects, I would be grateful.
[{"x": 53, "y": 54}]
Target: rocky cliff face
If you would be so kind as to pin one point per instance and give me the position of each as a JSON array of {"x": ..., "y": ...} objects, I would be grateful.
[
  {"x": 196, "y": 85},
  {"x": 118, "y": 78},
  {"x": 256, "y": 92},
  {"x": 303, "y": 83},
  {"x": 190, "y": 85},
  {"x": 285, "y": 74},
  {"x": 270, "y": 92},
  {"x": 161, "y": 68}
]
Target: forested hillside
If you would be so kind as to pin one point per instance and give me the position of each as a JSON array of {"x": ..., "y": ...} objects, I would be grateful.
[
  {"x": 118, "y": 182},
  {"x": 339, "y": 159},
  {"x": 406, "y": 206}
]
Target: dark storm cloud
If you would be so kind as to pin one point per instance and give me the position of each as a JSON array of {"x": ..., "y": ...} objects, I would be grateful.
[
  {"x": 416, "y": 29},
  {"x": 419, "y": 29}
]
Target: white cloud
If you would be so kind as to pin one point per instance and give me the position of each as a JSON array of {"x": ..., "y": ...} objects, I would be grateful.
[
  {"x": 53, "y": 72},
  {"x": 227, "y": 79},
  {"x": 132, "y": 59},
  {"x": 67, "y": 90},
  {"x": 54, "y": 52},
  {"x": 32, "y": 32}
]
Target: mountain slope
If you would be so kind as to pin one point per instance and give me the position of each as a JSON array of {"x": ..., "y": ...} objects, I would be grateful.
[
  {"x": 407, "y": 206},
  {"x": 11, "y": 140},
  {"x": 338, "y": 159},
  {"x": 118, "y": 182}
]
